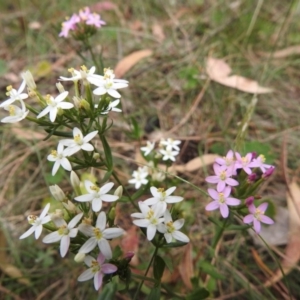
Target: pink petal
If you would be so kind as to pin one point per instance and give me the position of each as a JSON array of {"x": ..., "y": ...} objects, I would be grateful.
[
  {"x": 233, "y": 201},
  {"x": 266, "y": 220},
  {"x": 212, "y": 179},
  {"x": 109, "y": 268},
  {"x": 221, "y": 186},
  {"x": 227, "y": 191},
  {"x": 224, "y": 210},
  {"x": 248, "y": 219},
  {"x": 263, "y": 207},
  {"x": 213, "y": 193},
  {"x": 256, "y": 225},
  {"x": 100, "y": 259},
  {"x": 231, "y": 182},
  {"x": 98, "y": 280},
  {"x": 212, "y": 205}
]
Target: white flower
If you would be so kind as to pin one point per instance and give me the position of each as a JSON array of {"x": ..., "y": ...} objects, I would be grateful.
[
  {"x": 147, "y": 149},
  {"x": 139, "y": 177},
  {"x": 96, "y": 195},
  {"x": 107, "y": 84},
  {"x": 28, "y": 78},
  {"x": 161, "y": 197},
  {"x": 54, "y": 105},
  {"x": 170, "y": 229},
  {"x": 111, "y": 107},
  {"x": 173, "y": 144},
  {"x": 82, "y": 74},
  {"x": 149, "y": 217},
  {"x": 63, "y": 234},
  {"x": 37, "y": 223},
  {"x": 97, "y": 270},
  {"x": 168, "y": 153},
  {"x": 59, "y": 156},
  {"x": 14, "y": 94},
  {"x": 16, "y": 113},
  {"x": 99, "y": 236},
  {"x": 78, "y": 142}
]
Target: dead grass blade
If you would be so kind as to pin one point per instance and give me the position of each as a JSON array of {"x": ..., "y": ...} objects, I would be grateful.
[
  {"x": 218, "y": 70},
  {"x": 283, "y": 53},
  {"x": 186, "y": 266}
]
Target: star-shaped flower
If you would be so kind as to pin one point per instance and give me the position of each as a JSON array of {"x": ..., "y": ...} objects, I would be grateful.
[
  {"x": 64, "y": 234},
  {"x": 79, "y": 142},
  {"x": 162, "y": 197},
  {"x": 99, "y": 235},
  {"x": 168, "y": 154},
  {"x": 149, "y": 218},
  {"x": 96, "y": 195},
  {"x": 15, "y": 94},
  {"x": 16, "y": 113},
  {"x": 173, "y": 144},
  {"x": 148, "y": 148},
  {"x": 37, "y": 223},
  {"x": 54, "y": 105},
  {"x": 257, "y": 216},
  {"x": 139, "y": 177},
  {"x": 82, "y": 74},
  {"x": 170, "y": 229},
  {"x": 97, "y": 269},
  {"x": 221, "y": 201},
  {"x": 59, "y": 157}
]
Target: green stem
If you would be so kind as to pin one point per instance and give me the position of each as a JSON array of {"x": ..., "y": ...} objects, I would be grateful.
[
  {"x": 148, "y": 268},
  {"x": 89, "y": 47},
  {"x": 219, "y": 234}
]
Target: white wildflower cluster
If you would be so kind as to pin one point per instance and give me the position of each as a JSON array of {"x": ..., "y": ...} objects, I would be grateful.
[
  {"x": 167, "y": 151},
  {"x": 155, "y": 216},
  {"x": 92, "y": 225}
]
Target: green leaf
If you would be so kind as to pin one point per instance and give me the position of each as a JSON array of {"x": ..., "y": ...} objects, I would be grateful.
[
  {"x": 109, "y": 291},
  {"x": 117, "y": 252},
  {"x": 174, "y": 245},
  {"x": 107, "y": 151},
  {"x": 158, "y": 267},
  {"x": 3, "y": 67},
  {"x": 155, "y": 293},
  {"x": 209, "y": 269},
  {"x": 199, "y": 294},
  {"x": 260, "y": 148}
]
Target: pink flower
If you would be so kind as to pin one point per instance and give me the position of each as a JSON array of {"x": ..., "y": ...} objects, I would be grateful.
[
  {"x": 94, "y": 19},
  {"x": 221, "y": 201},
  {"x": 69, "y": 25},
  {"x": 84, "y": 13},
  {"x": 97, "y": 270},
  {"x": 221, "y": 178},
  {"x": 228, "y": 161},
  {"x": 244, "y": 162},
  {"x": 257, "y": 216},
  {"x": 259, "y": 162}
]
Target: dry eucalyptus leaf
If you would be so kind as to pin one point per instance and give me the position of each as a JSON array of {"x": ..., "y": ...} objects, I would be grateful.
[
  {"x": 125, "y": 64},
  {"x": 186, "y": 266},
  {"x": 218, "y": 70},
  {"x": 27, "y": 134},
  {"x": 197, "y": 163},
  {"x": 13, "y": 272},
  {"x": 292, "y": 250}
]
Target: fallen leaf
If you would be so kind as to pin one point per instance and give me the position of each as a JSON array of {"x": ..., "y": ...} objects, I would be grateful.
[
  {"x": 293, "y": 50},
  {"x": 197, "y": 163},
  {"x": 218, "y": 70},
  {"x": 125, "y": 64},
  {"x": 158, "y": 32},
  {"x": 292, "y": 251},
  {"x": 186, "y": 266}
]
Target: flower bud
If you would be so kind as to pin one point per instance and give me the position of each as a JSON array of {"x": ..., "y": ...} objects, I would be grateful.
[
  {"x": 128, "y": 256},
  {"x": 57, "y": 193},
  {"x": 27, "y": 76},
  {"x": 75, "y": 181},
  {"x": 268, "y": 172},
  {"x": 70, "y": 207},
  {"x": 79, "y": 257},
  {"x": 60, "y": 87},
  {"x": 85, "y": 105},
  {"x": 96, "y": 156},
  {"x": 251, "y": 178},
  {"x": 249, "y": 201},
  {"x": 158, "y": 176},
  {"x": 58, "y": 217},
  {"x": 76, "y": 101},
  {"x": 254, "y": 155},
  {"x": 119, "y": 191}
]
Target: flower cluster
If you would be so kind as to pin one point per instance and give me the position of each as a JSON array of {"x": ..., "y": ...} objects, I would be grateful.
[
  {"x": 237, "y": 174},
  {"x": 167, "y": 151},
  {"x": 155, "y": 216},
  {"x": 94, "y": 232},
  {"x": 84, "y": 21}
]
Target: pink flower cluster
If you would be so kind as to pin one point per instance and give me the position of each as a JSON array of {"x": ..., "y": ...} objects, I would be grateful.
[
  {"x": 85, "y": 16},
  {"x": 227, "y": 167}
]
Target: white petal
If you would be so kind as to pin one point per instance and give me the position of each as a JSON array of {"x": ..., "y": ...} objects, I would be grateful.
[
  {"x": 87, "y": 147},
  {"x": 96, "y": 204},
  {"x": 89, "y": 245},
  {"x": 90, "y": 136},
  {"x": 101, "y": 221},
  {"x": 109, "y": 198},
  {"x": 178, "y": 224},
  {"x": 113, "y": 93},
  {"x": 73, "y": 232},
  {"x": 141, "y": 223},
  {"x": 66, "y": 164},
  {"x": 43, "y": 112},
  {"x": 52, "y": 114},
  {"x": 45, "y": 211},
  {"x": 55, "y": 167},
  {"x": 27, "y": 233},
  {"x": 84, "y": 198},
  {"x": 61, "y": 96},
  {"x": 168, "y": 237},
  {"x": 105, "y": 248},
  {"x": 52, "y": 237},
  {"x": 151, "y": 230},
  {"x": 179, "y": 236},
  {"x": 64, "y": 245},
  {"x": 74, "y": 221},
  {"x": 38, "y": 231},
  {"x": 106, "y": 188},
  {"x": 86, "y": 275},
  {"x": 111, "y": 233}
]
